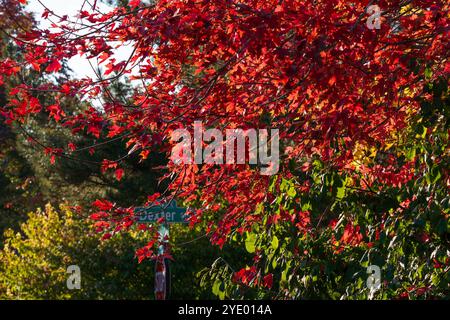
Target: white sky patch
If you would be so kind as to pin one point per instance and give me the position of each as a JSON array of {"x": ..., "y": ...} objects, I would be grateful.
[{"x": 71, "y": 8}]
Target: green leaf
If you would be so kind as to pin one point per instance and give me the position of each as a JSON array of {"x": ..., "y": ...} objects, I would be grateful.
[
  {"x": 435, "y": 174},
  {"x": 340, "y": 194},
  {"x": 306, "y": 206},
  {"x": 216, "y": 287},
  {"x": 284, "y": 184},
  {"x": 273, "y": 183},
  {"x": 435, "y": 279},
  {"x": 275, "y": 243},
  {"x": 250, "y": 242},
  {"x": 274, "y": 263},
  {"x": 421, "y": 132},
  {"x": 283, "y": 276},
  {"x": 339, "y": 186},
  {"x": 291, "y": 192},
  {"x": 428, "y": 73},
  {"x": 411, "y": 153}
]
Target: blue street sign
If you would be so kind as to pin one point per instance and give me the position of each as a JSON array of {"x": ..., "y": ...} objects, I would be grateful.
[{"x": 170, "y": 212}]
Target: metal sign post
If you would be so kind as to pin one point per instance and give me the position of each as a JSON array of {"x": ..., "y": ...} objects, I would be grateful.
[
  {"x": 161, "y": 268},
  {"x": 171, "y": 214}
]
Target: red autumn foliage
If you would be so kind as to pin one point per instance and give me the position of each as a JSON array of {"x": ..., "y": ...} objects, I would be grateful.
[{"x": 311, "y": 68}]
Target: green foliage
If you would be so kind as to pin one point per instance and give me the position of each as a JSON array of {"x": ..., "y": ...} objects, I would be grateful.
[
  {"x": 34, "y": 261},
  {"x": 193, "y": 252}
]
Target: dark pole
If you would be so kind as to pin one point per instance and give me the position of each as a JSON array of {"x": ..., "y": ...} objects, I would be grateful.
[{"x": 162, "y": 272}]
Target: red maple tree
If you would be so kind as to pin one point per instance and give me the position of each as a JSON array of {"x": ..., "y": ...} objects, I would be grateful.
[{"x": 312, "y": 69}]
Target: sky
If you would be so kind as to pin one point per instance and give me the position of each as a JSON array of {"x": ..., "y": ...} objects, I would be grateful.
[{"x": 79, "y": 65}]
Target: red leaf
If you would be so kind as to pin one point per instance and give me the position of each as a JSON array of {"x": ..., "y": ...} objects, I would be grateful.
[
  {"x": 119, "y": 174},
  {"x": 72, "y": 147},
  {"x": 108, "y": 164},
  {"x": 268, "y": 281},
  {"x": 332, "y": 80},
  {"x": 45, "y": 14},
  {"x": 135, "y": 3},
  {"x": 106, "y": 236},
  {"x": 103, "y": 205},
  {"x": 55, "y": 112},
  {"x": 35, "y": 106},
  {"x": 54, "y": 66}
]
